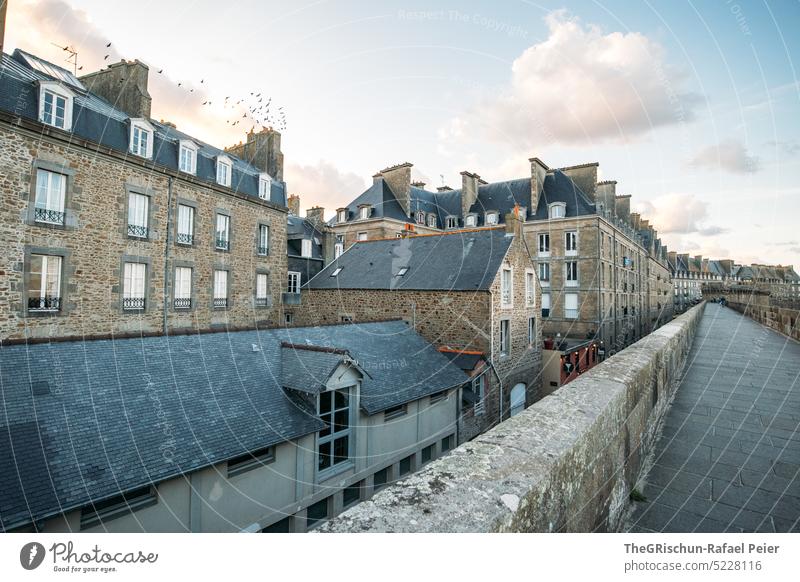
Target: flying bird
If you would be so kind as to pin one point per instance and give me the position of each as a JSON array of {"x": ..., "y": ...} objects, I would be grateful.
[
  {"x": 160, "y": 71},
  {"x": 108, "y": 45},
  {"x": 105, "y": 58}
]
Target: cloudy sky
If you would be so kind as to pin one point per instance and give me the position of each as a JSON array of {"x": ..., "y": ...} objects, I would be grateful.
[{"x": 693, "y": 107}]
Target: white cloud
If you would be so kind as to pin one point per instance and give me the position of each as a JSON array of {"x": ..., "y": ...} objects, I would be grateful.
[
  {"x": 729, "y": 155},
  {"x": 580, "y": 85},
  {"x": 322, "y": 184},
  {"x": 678, "y": 214}
]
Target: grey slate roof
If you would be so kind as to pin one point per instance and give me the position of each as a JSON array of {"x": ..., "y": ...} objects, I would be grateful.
[
  {"x": 297, "y": 229},
  {"x": 98, "y": 121},
  {"x": 309, "y": 369},
  {"x": 84, "y": 421},
  {"x": 462, "y": 261}
]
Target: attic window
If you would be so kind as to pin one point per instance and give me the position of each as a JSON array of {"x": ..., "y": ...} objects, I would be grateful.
[
  {"x": 402, "y": 271},
  {"x": 336, "y": 271},
  {"x": 305, "y": 249},
  {"x": 432, "y": 220},
  {"x": 341, "y": 215},
  {"x": 363, "y": 212},
  {"x": 452, "y": 222},
  {"x": 224, "y": 167},
  {"x": 187, "y": 157},
  {"x": 558, "y": 210},
  {"x": 141, "y": 138},
  {"x": 471, "y": 220},
  {"x": 264, "y": 186},
  {"x": 420, "y": 217},
  {"x": 55, "y": 105},
  {"x": 491, "y": 218}
]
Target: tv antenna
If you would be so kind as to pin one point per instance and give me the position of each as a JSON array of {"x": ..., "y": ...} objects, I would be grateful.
[{"x": 72, "y": 58}]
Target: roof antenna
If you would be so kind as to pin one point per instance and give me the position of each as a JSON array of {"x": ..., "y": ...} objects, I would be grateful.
[
  {"x": 442, "y": 177},
  {"x": 72, "y": 58}
]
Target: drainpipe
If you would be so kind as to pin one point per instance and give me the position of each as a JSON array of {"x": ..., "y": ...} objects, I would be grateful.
[
  {"x": 168, "y": 240},
  {"x": 491, "y": 352}
]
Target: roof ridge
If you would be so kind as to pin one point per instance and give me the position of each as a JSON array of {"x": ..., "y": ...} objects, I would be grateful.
[
  {"x": 430, "y": 234},
  {"x": 313, "y": 348}
]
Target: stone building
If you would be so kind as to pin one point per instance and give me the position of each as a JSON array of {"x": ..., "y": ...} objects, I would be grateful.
[
  {"x": 472, "y": 293},
  {"x": 264, "y": 430},
  {"x": 115, "y": 223},
  {"x": 603, "y": 270}
]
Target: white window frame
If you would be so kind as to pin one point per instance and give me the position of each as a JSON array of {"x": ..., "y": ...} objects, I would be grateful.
[
  {"x": 430, "y": 220},
  {"x": 530, "y": 288},
  {"x": 507, "y": 287},
  {"x": 505, "y": 337},
  {"x": 226, "y": 231},
  {"x": 141, "y": 127},
  {"x": 471, "y": 220},
  {"x": 50, "y": 197},
  {"x": 224, "y": 171},
  {"x": 264, "y": 186},
  {"x": 293, "y": 282},
  {"x": 334, "y": 435},
  {"x": 134, "y": 282},
  {"x": 186, "y": 223},
  {"x": 531, "y": 331},
  {"x": 338, "y": 247},
  {"x": 479, "y": 390},
  {"x": 45, "y": 284},
  {"x": 571, "y": 312},
  {"x": 220, "y": 284},
  {"x": 138, "y": 213},
  {"x": 364, "y": 212},
  {"x": 571, "y": 279},
  {"x": 263, "y": 240},
  {"x": 546, "y": 304},
  {"x": 190, "y": 148},
  {"x": 544, "y": 277},
  {"x": 571, "y": 243},
  {"x": 452, "y": 222},
  {"x": 305, "y": 248},
  {"x": 57, "y": 91},
  {"x": 419, "y": 217},
  {"x": 262, "y": 285},
  {"x": 341, "y": 216},
  {"x": 543, "y": 242},
  {"x": 361, "y": 236},
  {"x": 183, "y": 285},
  {"x": 557, "y": 210},
  {"x": 491, "y": 218}
]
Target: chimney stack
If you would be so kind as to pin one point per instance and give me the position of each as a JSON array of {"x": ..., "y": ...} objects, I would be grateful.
[
  {"x": 514, "y": 222},
  {"x": 316, "y": 216},
  {"x": 293, "y": 202},
  {"x": 418, "y": 185},
  {"x": 398, "y": 178},
  {"x": 444, "y": 189},
  {"x": 585, "y": 177},
  {"x": 124, "y": 85},
  {"x": 469, "y": 191},
  {"x": 605, "y": 197},
  {"x": 538, "y": 174},
  {"x": 263, "y": 150},
  {"x": 623, "y": 207}
]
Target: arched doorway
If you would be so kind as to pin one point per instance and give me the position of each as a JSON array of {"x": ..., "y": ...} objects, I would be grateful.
[{"x": 517, "y": 399}]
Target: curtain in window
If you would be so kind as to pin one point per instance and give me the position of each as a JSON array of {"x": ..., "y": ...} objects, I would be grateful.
[
  {"x": 133, "y": 284},
  {"x": 183, "y": 282},
  {"x": 261, "y": 286},
  {"x": 220, "y": 284},
  {"x": 50, "y": 188},
  {"x": 185, "y": 219},
  {"x": 137, "y": 210},
  {"x": 222, "y": 227}
]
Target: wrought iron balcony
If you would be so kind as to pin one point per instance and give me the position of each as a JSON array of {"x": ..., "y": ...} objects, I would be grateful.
[
  {"x": 133, "y": 303},
  {"x": 223, "y": 244},
  {"x": 185, "y": 238},
  {"x": 182, "y": 303},
  {"x": 46, "y": 303},
  {"x": 137, "y": 231},
  {"x": 262, "y": 301},
  {"x": 48, "y": 216},
  {"x": 263, "y": 250},
  {"x": 220, "y": 301}
]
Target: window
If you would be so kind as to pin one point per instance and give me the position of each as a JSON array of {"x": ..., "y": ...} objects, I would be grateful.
[
  {"x": 264, "y": 186},
  {"x": 544, "y": 273},
  {"x": 558, "y": 210},
  {"x": 316, "y": 513},
  {"x": 338, "y": 247},
  {"x": 420, "y": 217},
  {"x": 531, "y": 331},
  {"x": 428, "y": 454},
  {"x": 545, "y": 304},
  {"x": 263, "y": 240},
  {"x": 341, "y": 215},
  {"x": 55, "y": 105},
  {"x": 380, "y": 479},
  {"x": 471, "y": 220},
  {"x": 571, "y": 273},
  {"x": 141, "y": 138},
  {"x": 133, "y": 286},
  {"x": 479, "y": 390},
  {"x": 431, "y": 220},
  {"x": 506, "y": 287},
  {"x": 438, "y": 396},
  {"x": 336, "y": 272},
  {"x": 183, "y": 288},
  {"x": 333, "y": 442},
  {"x": 138, "y": 210},
  {"x": 571, "y": 305},
  {"x": 222, "y": 234},
  {"x": 305, "y": 248},
  {"x": 544, "y": 245},
  {"x": 505, "y": 337},
  {"x": 363, "y": 212},
  {"x": 402, "y": 271},
  {"x": 97, "y": 513},
  {"x": 530, "y": 288},
  {"x": 447, "y": 443},
  {"x": 50, "y": 191},
  {"x": 288, "y": 318},
  {"x": 251, "y": 460},
  {"x": 452, "y": 222},
  {"x": 362, "y": 236},
  {"x": 282, "y": 526},
  {"x": 346, "y": 319},
  {"x": 262, "y": 290},
  {"x": 570, "y": 243},
  {"x": 44, "y": 291},
  {"x": 185, "y": 225},
  {"x": 187, "y": 157},
  {"x": 294, "y": 282},
  {"x": 406, "y": 465},
  {"x": 394, "y": 412},
  {"x": 224, "y": 168},
  {"x": 491, "y": 218},
  {"x": 220, "y": 288},
  {"x": 351, "y": 495}
]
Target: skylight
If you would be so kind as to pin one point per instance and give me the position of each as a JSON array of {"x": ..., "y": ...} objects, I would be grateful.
[
  {"x": 336, "y": 271},
  {"x": 402, "y": 271},
  {"x": 51, "y": 70}
]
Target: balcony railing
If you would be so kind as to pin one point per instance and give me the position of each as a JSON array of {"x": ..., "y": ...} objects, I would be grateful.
[
  {"x": 222, "y": 244},
  {"x": 133, "y": 303},
  {"x": 48, "y": 216},
  {"x": 137, "y": 231},
  {"x": 262, "y": 301},
  {"x": 220, "y": 301},
  {"x": 185, "y": 238},
  {"x": 263, "y": 250},
  {"x": 46, "y": 303},
  {"x": 182, "y": 303}
]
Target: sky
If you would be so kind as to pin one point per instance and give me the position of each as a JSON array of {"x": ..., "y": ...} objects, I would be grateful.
[{"x": 692, "y": 107}]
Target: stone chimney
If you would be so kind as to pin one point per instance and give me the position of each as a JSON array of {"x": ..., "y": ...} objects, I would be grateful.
[
  {"x": 418, "y": 185},
  {"x": 398, "y": 178},
  {"x": 514, "y": 222},
  {"x": 623, "y": 207},
  {"x": 584, "y": 176},
  {"x": 328, "y": 246},
  {"x": 124, "y": 85},
  {"x": 605, "y": 196},
  {"x": 636, "y": 219},
  {"x": 672, "y": 257},
  {"x": 263, "y": 150},
  {"x": 469, "y": 191},
  {"x": 293, "y": 202},
  {"x": 444, "y": 189},
  {"x": 538, "y": 174},
  {"x": 316, "y": 216}
]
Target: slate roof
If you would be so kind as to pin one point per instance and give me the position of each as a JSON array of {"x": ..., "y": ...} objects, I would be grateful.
[
  {"x": 84, "y": 421},
  {"x": 297, "y": 229},
  {"x": 308, "y": 368},
  {"x": 98, "y": 121},
  {"x": 466, "y": 260}
]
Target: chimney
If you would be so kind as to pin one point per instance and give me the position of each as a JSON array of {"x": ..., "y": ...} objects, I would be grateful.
[
  {"x": 293, "y": 202},
  {"x": 672, "y": 257},
  {"x": 469, "y": 191},
  {"x": 263, "y": 150},
  {"x": 585, "y": 177},
  {"x": 3, "y": 6},
  {"x": 623, "y": 207},
  {"x": 328, "y": 245},
  {"x": 398, "y": 178},
  {"x": 538, "y": 174},
  {"x": 376, "y": 177},
  {"x": 444, "y": 189},
  {"x": 418, "y": 185},
  {"x": 316, "y": 216},
  {"x": 636, "y": 219},
  {"x": 124, "y": 85},
  {"x": 514, "y": 222},
  {"x": 605, "y": 196}
]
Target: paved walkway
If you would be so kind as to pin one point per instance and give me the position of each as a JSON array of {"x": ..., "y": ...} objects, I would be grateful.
[{"x": 729, "y": 457}]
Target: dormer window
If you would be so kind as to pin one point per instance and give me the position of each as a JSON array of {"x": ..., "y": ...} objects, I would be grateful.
[
  {"x": 305, "y": 248},
  {"x": 452, "y": 222},
  {"x": 523, "y": 213},
  {"x": 224, "y": 168},
  {"x": 55, "y": 105},
  {"x": 187, "y": 157},
  {"x": 141, "y": 138},
  {"x": 558, "y": 210},
  {"x": 363, "y": 212},
  {"x": 264, "y": 186},
  {"x": 471, "y": 220},
  {"x": 420, "y": 217},
  {"x": 432, "y": 220},
  {"x": 491, "y": 218},
  {"x": 341, "y": 215}
]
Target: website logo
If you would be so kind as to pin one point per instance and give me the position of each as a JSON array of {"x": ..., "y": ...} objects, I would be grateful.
[{"x": 31, "y": 555}]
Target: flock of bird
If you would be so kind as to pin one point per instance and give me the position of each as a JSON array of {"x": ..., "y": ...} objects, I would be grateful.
[{"x": 252, "y": 107}]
